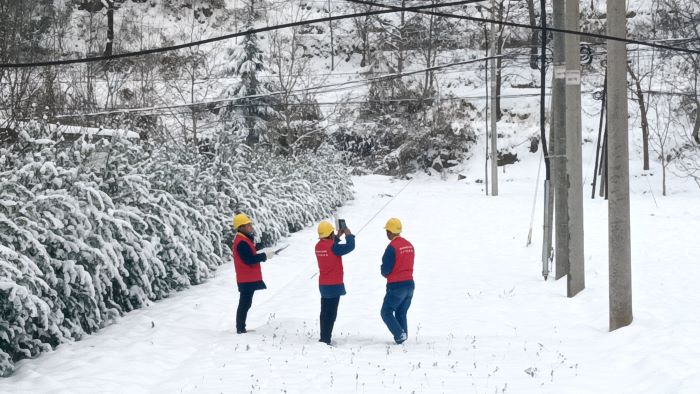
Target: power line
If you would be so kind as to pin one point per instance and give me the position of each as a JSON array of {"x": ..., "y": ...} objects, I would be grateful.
[
  {"x": 204, "y": 108},
  {"x": 387, "y": 9},
  {"x": 226, "y": 37},
  {"x": 162, "y": 111},
  {"x": 208, "y": 105},
  {"x": 530, "y": 27},
  {"x": 325, "y": 103},
  {"x": 337, "y": 86},
  {"x": 207, "y": 79}
]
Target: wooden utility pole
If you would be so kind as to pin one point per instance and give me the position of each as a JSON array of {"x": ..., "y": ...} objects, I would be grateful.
[
  {"x": 558, "y": 141},
  {"x": 576, "y": 277},
  {"x": 619, "y": 253},
  {"x": 494, "y": 111}
]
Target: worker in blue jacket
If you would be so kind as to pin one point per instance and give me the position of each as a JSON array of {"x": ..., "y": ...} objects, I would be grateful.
[
  {"x": 246, "y": 260},
  {"x": 329, "y": 252},
  {"x": 397, "y": 268}
]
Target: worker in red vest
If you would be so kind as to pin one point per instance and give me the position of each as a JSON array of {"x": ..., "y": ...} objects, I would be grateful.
[
  {"x": 330, "y": 279},
  {"x": 397, "y": 268},
  {"x": 247, "y": 261}
]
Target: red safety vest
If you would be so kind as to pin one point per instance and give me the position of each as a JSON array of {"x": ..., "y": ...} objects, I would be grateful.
[
  {"x": 330, "y": 266},
  {"x": 403, "y": 263},
  {"x": 245, "y": 273}
]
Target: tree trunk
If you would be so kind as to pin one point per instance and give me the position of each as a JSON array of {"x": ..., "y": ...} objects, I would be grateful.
[
  {"x": 663, "y": 172},
  {"x": 194, "y": 113},
  {"x": 533, "y": 34},
  {"x": 499, "y": 80},
  {"x": 401, "y": 43},
  {"x": 252, "y": 138},
  {"x": 696, "y": 128},
  {"x": 428, "y": 59},
  {"x": 643, "y": 112},
  {"x": 330, "y": 27},
  {"x": 194, "y": 127},
  {"x": 90, "y": 67},
  {"x": 110, "y": 28},
  {"x": 604, "y": 166},
  {"x": 499, "y": 62},
  {"x": 365, "y": 47}
]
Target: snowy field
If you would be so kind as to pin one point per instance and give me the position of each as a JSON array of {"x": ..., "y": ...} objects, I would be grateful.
[{"x": 482, "y": 320}]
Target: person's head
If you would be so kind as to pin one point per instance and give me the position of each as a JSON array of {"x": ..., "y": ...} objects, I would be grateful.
[
  {"x": 325, "y": 230},
  {"x": 393, "y": 228},
  {"x": 242, "y": 223}
]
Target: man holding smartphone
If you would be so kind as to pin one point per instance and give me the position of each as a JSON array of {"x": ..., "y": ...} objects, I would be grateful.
[
  {"x": 329, "y": 252},
  {"x": 397, "y": 268}
]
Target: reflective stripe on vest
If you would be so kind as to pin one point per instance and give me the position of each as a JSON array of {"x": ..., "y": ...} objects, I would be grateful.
[
  {"x": 403, "y": 263},
  {"x": 245, "y": 273},
  {"x": 330, "y": 266}
]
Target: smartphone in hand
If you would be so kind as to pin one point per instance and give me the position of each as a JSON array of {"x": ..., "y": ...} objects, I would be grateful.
[{"x": 341, "y": 225}]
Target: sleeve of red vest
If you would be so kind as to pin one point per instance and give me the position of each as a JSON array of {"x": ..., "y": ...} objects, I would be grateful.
[
  {"x": 388, "y": 261},
  {"x": 246, "y": 254}
]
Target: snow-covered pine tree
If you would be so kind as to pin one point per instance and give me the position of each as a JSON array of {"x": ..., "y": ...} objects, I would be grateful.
[
  {"x": 250, "y": 108},
  {"x": 298, "y": 124},
  {"x": 93, "y": 229},
  {"x": 92, "y": 257},
  {"x": 28, "y": 324}
]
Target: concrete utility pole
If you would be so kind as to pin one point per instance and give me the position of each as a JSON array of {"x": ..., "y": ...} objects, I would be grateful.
[
  {"x": 486, "y": 130},
  {"x": 576, "y": 278},
  {"x": 619, "y": 254},
  {"x": 494, "y": 112},
  {"x": 558, "y": 141},
  {"x": 546, "y": 149}
]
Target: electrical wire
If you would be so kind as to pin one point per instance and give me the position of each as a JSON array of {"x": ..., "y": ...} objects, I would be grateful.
[
  {"x": 531, "y": 27},
  {"x": 387, "y": 9},
  {"x": 336, "y": 86},
  {"x": 225, "y": 37}
]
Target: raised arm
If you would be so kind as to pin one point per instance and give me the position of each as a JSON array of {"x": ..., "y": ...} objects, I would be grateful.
[{"x": 343, "y": 249}]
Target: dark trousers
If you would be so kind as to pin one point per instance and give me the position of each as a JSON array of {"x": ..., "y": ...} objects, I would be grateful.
[
  {"x": 329, "y": 311},
  {"x": 395, "y": 309},
  {"x": 245, "y": 301}
]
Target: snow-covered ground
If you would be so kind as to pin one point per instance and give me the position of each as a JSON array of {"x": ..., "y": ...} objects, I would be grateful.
[{"x": 482, "y": 320}]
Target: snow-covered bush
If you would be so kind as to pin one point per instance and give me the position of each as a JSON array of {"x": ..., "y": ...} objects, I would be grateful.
[
  {"x": 95, "y": 229},
  {"x": 400, "y": 131}
]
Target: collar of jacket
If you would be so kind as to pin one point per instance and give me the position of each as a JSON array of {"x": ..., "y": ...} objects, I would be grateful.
[{"x": 247, "y": 235}]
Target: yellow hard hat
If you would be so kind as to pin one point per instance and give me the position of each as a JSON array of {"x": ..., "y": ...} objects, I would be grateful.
[
  {"x": 393, "y": 225},
  {"x": 325, "y": 229},
  {"x": 240, "y": 220}
]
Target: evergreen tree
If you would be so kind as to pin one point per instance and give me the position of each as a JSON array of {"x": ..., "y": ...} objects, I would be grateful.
[
  {"x": 94, "y": 229},
  {"x": 251, "y": 109}
]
